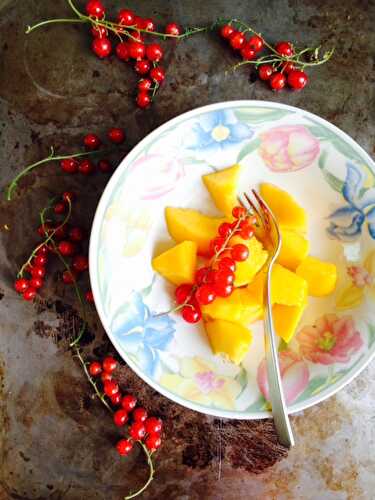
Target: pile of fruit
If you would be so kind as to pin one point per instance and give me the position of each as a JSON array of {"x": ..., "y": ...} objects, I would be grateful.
[{"x": 227, "y": 291}]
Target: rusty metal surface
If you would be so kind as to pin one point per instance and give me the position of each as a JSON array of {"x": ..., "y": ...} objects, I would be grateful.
[{"x": 57, "y": 442}]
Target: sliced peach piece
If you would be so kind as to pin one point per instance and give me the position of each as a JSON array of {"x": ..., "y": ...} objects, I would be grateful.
[
  {"x": 294, "y": 249},
  {"x": 288, "y": 213},
  {"x": 229, "y": 339},
  {"x": 321, "y": 276},
  {"x": 286, "y": 319},
  {"x": 287, "y": 288},
  {"x": 245, "y": 271},
  {"x": 178, "y": 264},
  {"x": 222, "y": 186}
]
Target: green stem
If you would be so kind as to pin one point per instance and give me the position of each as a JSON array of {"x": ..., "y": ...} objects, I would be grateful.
[
  {"x": 29, "y": 29},
  {"x": 150, "y": 476}
]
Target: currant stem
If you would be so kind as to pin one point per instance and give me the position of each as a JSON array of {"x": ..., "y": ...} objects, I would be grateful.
[
  {"x": 29, "y": 29},
  {"x": 151, "y": 472}
]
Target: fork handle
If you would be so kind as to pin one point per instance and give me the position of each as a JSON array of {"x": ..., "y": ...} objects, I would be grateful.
[{"x": 276, "y": 392}]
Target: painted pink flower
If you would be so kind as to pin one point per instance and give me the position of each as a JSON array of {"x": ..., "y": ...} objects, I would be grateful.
[
  {"x": 207, "y": 382},
  {"x": 330, "y": 340},
  {"x": 360, "y": 276},
  {"x": 294, "y": 374},
  {"x": 158, "y": 174},
  {"x": 288, "y": 148}
]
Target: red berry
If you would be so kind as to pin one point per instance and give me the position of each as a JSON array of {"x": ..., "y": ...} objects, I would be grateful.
[
  {"x": 61, "y": 232},
  {"x": 143, "y": 100},
  {"x": 247, "y": 232},
  {"x": 116, "y": 399},
  {"x": 256, "y": 42},
  {"x": 148, "y": 24},
  {"x": 60, "y": 208},
  {"x": 277, "y": 81},
  {"x": 86, "y": 167},
  {"x": 153, "y": 425},
  {"x": 38, "y": 272},
  {"x": 191, "y": 314},
  {"x": 223, "y": 290},
  {"x": 110, "y": 387},
  {"x": 99, "y": 31},
  {"x": 225, "y": 229},
  {"x": 224, "y": 276},
  {"x": 120, "y": 417},
  {"x": 68, "y": 196},
  {"x": 288, "y": 67},
  {"x": 109, "y": 364},
  {"x": 105, "y": 376},
  {"x": 21, "y": 285},
  {"x": 95, "y": 8},
  {"x": 226, "y": 31},
  {"x": 95, "y": 368},
  {"x": 69, "y": 165},
  {"x": 137, "y": 37},
  {"x": 29, "y": 294},
  {"x": 144, "y": 85},
  {"x": 128, "y": 402},
  {"x": 69, "y": 277},
  {"x": 153, "y": 441},
  {"x": 126, "y": 17},
  {"x": 40, "y": 260},
  {"x": 284, "y": 49},
  {"x": 43, "y": 250},
  {"x": 122, "y": 51},
  {"x": 205, "y": 295},
  {"x": 66, "y": 248},
  {"x": 124, "y": 447},
  {"x": 92, "y": 142},
  {"x": 297, "y": 79},
  {"x": 157, "y": 74},
  {"x": 183, "y": 293},
  {"x": 137, "y": 431},
  {"x": 139, "y": 22},
  {"x": 116, "y": 135},
  {"x": 102, "y": 47},
  {"x": 137, "y": 50},
  {"x": 240, "y": 252},
  {"x": 80, "y": 263},
  {"x": 139, "y": 414},
  {"x": 237, "y": 40},
  {"x": 173, "y": 29},
  {"x": 76, "y": 234},
  {"x": 201, "y": 275},
  {"x": 216, "y": 244},
  {"x": 265, "y": 71},
  {"x": 89, "y": 297},
  {"x": 105, "y": 166},
  {"x": 154, "y": 52},
  {"x": 36, "y": 283},
  {"x": 239, "y": 212},
  {"x": 227, "y": 263},
  {"x": 247, "y": 52},
  {"x": 142, "y": 67}
]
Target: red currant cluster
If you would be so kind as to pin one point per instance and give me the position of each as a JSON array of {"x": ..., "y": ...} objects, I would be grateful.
[
  {"x": 141, "y": 427},
  {"x": 217, "y": 278}
]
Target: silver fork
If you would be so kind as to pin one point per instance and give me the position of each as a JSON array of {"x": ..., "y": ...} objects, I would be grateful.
[{"x": 276, "y": 392}]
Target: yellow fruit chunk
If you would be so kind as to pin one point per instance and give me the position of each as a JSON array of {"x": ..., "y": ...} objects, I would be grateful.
[
  {"x": 286, "y": 210},
  {"x": 222, "y": 186},
  {"x": 321, "y": 276},
  {"x": 187, "y": 224},
  {"x": 230, "y": 339},
  {"x": 245, "y": 271},
  {"x": 256, "y": 288},
  {"x": 286, "y": 319},
  {"x": 240, "y": 307},
  {"x": 287, "y": 288},
  {"x": 294, "y": 249},
  {"x": 178, "y": 264}
]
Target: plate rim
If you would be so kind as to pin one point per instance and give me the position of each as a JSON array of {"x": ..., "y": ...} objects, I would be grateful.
[{"x": 94, "y": 246}]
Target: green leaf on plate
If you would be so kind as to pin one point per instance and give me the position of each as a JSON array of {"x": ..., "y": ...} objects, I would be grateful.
[
  {"x": 371, "y": 335},
  {"x": 256, "y": 116},
  {"x": 315, "y": 386},
  {"x": 241, "y": 377},
  {"x": 249, "y": 148},
  {"x": 260, "y": 404},
  {"x": 319, "y": 132},
  {"x": 335, "y": 183},
  {"x": 146, "y": 291}
]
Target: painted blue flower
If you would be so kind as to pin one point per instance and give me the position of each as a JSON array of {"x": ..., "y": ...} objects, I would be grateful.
[
  {"x": 346, "y": 222},
  {"x": 142, "y": 334}
]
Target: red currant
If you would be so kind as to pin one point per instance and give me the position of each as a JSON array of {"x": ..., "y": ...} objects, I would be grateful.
[
  {"x": 105, "y": 376},
  {"x": 201, "y": 275},
  {"x": 126, "y": 17},
  {"x": 288, "y": 67},
  {"x": 116, "y": 135},
  {"x": 116, "y": 399},
  {"x": 105, "y": 166},
  {"x": 80, "y": 263},
  {"x": 137, "y": 431},
  {"x": 40, "y": 260},
  {"x": 157, "y": 74},
  {"x": 137, "y": 50},
  {"x": 43, "y": 250},
  {"x": 237, "y": 40},
  {"x": 95, "y": 8},
  {"x": 224, "y": 276},
  {"x": 92, "y": 142},
  {"x": 110, "y": 387},
  {"x": 148, "y": 24},
  {"x": 38, "y": 272},
  {"x": 227, "y": 263},
  {"x": 66, "y": 248},
  {"x": 139, "y": 22},
  {"x": 102, "y": 47},
  {"x": 137, "y": 37},
  {"x": 153, "y": 425},
  {"x": 69, "y": 277},
  {"x": 36, "y": 283},
  {"x": 122, "y": 51},
  {"x": 191, "y": 314},
  {"x": 86, "y": 167},
  {"x": 247, "y": 232},
  {"x": 226, "y": 31},
  {"x": 144, "y": 85},
  {"x": 76, "y": 234},
  {"x": 45, "y": 229},
  {"x": 265, "y": 71},
  {"x": 284, "y": 49},
  {"x": 277, "y": 81},
  {"x": 142, "y": 67},
  {"x": 240, "y": 252},
  {"x": 239, "y": 212},
  {"x": 297, "y": 79},
  {"x": 61, "y": 232},
  {"x": 173, "y": 29},
  {"x": 124, "y": 447},
  {"x": 129, "y": 402},
  {"x": 216, "y": 244},
  {"x": 120, "y": 417},
  {"x": 29, "y": 294},
  {"x": 95, "y": 369},
  {"x": 143, "y": 100},
  {"x": 21, "y": 285},
  {"x": 99, "y": 31},
  {"x": 183, "y": 293},
  {"x": 139, "y": 414},
  {"x": 68, "y": 196},
  {"x": 154, "y": 52},
  {"x": 109, "y": 364},
  {"x": 69, "y": 165},
  {"x": 205, "y": 295},
  {"x": 256, "y": 42},
  {"x": 225, "y": 229},
  {"x": 60, "y": 208},
  {"x": 153, "y": 441},
  {"x": 247, "y": 52},
  {"x": 89, "y": 297},
  {"x": 223, "y": 290}
]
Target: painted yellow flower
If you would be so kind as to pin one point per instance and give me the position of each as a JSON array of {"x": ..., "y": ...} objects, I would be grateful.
[
  {"x": 362, "y": 284},
  {"x": 198, "y": 382}
]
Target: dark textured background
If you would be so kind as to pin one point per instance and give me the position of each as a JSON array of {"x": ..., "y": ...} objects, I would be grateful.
[{"x": 56, "y": 441}]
